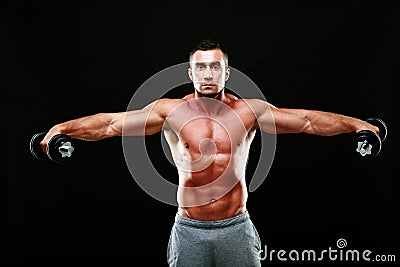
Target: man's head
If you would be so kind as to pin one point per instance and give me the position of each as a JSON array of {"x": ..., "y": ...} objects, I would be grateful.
[{"x": 208, "y": 68}]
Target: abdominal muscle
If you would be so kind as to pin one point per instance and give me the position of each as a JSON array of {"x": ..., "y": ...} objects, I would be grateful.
[
  {"x": 215, "y": 193},
  {"x": 230, "y": 205}
]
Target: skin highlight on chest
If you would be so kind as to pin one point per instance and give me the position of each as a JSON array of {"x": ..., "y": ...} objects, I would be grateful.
[{"x": 195, "y": 133}]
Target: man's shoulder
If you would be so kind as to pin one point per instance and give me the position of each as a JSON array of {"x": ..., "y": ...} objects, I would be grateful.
[
  {"x": 169, "y": 103},
  {"x": 250, "y": 101},
  {"x": 254, "y": 105},
  {"x": 239, "y": 100},
  {"x": 188, "y": 97},
  {"x": 243, "y": 101}
]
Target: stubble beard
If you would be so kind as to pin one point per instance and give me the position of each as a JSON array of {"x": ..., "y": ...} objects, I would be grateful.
[{"x": 209, "y": 95}]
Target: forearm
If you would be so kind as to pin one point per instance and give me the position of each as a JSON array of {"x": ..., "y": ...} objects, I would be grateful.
[
  {"x": 327, "y": 123},
  {"x": 91, "y": 128}
]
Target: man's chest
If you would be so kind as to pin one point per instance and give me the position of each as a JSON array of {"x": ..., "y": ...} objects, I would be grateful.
[{"x": 225, "y": 131}]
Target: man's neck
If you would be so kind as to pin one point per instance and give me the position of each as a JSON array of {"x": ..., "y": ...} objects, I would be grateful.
[{"x": 210, "y": 104}]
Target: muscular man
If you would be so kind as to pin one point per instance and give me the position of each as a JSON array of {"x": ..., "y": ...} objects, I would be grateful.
[{"x": 209, "y": 132}]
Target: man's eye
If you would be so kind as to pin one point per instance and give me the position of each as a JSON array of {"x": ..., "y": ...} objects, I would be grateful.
[{"x": 215, "y": 67}]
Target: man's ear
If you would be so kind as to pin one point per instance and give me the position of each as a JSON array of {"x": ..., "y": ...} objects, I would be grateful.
[
  {"x": 227, "y": 73},
  {"x": 190, "y": 74}
]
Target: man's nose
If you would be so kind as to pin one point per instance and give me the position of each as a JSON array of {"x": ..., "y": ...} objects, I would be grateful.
[{"x": 208, "y": 73}]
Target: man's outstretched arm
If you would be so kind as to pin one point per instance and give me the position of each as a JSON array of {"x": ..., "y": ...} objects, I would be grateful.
[
  {"x": 271, "y": 119},
  {"x": 146, "y": 121}
]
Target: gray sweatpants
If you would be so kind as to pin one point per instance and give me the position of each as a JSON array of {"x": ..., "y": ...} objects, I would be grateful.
[{"x": 228, "y": 242}]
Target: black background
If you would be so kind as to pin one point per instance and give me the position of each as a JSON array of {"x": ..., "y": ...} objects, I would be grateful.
[{"x": 62, "y": 61}]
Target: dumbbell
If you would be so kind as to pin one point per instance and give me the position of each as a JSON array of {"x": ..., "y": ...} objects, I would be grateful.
[
  {"x": 59, "y": 147},
  {"x": 368, "y": 143}
]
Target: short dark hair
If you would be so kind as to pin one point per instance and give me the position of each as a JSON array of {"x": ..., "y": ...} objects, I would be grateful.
[{"x": 209, "y": 44}]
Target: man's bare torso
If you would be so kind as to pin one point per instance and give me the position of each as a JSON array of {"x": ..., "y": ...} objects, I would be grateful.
[{"x": 210, "y": 142}]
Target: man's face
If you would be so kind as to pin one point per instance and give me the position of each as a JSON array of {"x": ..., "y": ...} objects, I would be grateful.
[{"x": 208, "y": 72}]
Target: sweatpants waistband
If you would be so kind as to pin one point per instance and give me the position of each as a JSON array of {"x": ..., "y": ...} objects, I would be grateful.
[{"x": 212, "y": 224}]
